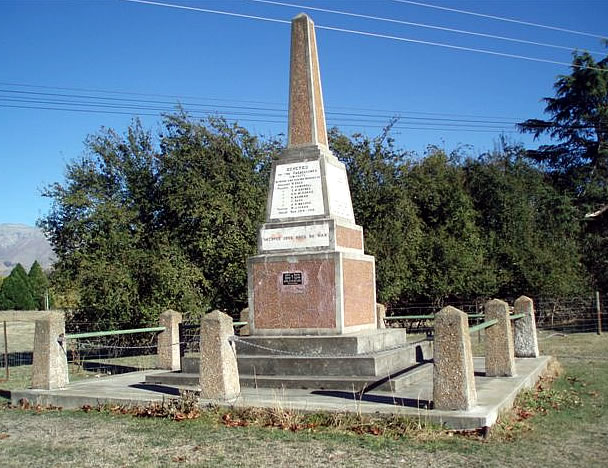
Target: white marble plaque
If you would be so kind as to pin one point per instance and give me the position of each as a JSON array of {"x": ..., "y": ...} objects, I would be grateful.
[
  {"x": 295, "y": 237},
  {"x": 297, "y": 190},
  {"x": 340, "y": 203}
]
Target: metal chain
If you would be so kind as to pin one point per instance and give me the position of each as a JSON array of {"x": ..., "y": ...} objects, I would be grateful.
[
  {"x": 89, "y": 345},
  {"x": 236, "y": 339}
]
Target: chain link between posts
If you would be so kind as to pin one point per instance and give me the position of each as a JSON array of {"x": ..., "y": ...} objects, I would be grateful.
[{"x": 236, "y": 339}]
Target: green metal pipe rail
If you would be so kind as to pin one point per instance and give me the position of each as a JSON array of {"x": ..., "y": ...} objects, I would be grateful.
[
  {"x": 483, "y": 325},
  {"x": 74, "y": 336}
]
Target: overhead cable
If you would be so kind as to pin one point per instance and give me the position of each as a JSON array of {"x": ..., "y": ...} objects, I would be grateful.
[
  {"x": 398, "y": 127},
  {"x": 500, "y": 18},
  {"x": 370, "y": 34},
  {"x": 37, "y": 96},
  {"x": 72, "y": 102},
  {"x": 282, "y": 105},
  {"x": 420, "y": 25}
]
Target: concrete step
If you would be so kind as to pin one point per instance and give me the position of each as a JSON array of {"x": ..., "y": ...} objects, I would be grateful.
[
  {"x": 373, "y": 364},
  {"x": 401, "y": 380},
  {"x": 335, "y": 345},
  {"x": 317, "y": 382},
  {"x": 175, "y": 379},
  {"x": 377, "y": 364},
  {"x": 395, "y": 383}
]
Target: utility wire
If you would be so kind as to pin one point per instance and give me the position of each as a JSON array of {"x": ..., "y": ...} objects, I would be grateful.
[
  {"x": 421, "y": 25},
  {"x": 281, "y": 112},
  {"x": 283, "y": 105},
  {"x": 67, "y": 103},
  {"x": 65, "y": 99},
  {"x": 370, "y": 34},
  {"x": 500, "y": 18},
  {"x": 207, "y": 10},
  {"x": 397, "y": 127}
]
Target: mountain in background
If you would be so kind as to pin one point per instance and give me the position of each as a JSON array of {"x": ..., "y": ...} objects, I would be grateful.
[{"x": 23, "y": 244}]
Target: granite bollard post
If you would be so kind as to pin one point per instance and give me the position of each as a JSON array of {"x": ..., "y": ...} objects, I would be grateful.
[
  {"x": 50, "y": 362},
  {"x": 453, "y": 373},
  {"x": 500, "y": 356},
  {"x": 381, "y": 315},
  {"x": 524, "y": 335},
  {"x": 168, "y": 341},
  {"x": 219, "y": 374}
]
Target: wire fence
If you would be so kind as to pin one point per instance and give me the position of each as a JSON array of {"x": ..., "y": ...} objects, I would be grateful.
[
  {"x": 563, "y": 324},
  {"x": 566, "y": 315}
]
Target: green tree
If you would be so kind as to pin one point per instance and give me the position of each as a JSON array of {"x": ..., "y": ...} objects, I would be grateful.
[
  {"x": 578, "y": 156},
  {"x": 213, "y": 185},
  {"x": 393, "y": 232},
  {"x": 105, "y": 231},
  {"x": 453, "y": 251},
  {"x": 39, "y": 285},
  {"x": 531, "y": 230},
  {"x": 148, "y": 222},
  {"x": 15, "y": 293}
]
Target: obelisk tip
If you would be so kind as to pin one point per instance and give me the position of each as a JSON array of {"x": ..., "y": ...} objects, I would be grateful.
[
  {"x": 301, "y": 16},
  {"x": 306, "y": 115}
]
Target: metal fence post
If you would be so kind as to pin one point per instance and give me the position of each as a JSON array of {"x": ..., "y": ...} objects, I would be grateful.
[{"x": 598, "y": 309}]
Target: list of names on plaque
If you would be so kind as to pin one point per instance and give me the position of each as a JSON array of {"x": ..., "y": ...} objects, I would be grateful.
[
  {"x": 340, "y": 203},
  {"x": 297, "y": 190}
]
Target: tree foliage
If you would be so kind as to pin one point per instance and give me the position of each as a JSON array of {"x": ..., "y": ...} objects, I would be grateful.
[
  {"x": 453, "y": 253},
  {"x": 15, "y": 293},
  {"x": 393, "y": 233},
  {"x": 148, "y": 222},
  {"x": 531, "y": 229},
  {"x": 578, "y": 125},
  {"x": 39, "y": 286},
  {"x": 578, "y": 155}
]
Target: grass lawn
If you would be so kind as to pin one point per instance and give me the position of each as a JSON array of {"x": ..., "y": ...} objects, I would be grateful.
[{"x": 563, "y": 424}]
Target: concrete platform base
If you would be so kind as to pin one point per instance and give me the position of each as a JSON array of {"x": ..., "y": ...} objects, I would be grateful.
[
  {"x": 495, "y": 394},
  {"x": 379, "y": 359}
]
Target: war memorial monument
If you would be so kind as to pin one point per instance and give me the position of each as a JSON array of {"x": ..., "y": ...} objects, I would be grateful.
[{"x": 315, "y": 331}]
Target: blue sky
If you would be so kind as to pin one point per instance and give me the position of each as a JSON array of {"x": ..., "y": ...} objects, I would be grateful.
[{"x": 110, "y": 51}]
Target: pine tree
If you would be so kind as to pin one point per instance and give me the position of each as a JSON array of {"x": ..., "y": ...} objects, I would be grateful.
[
  {"x": 39, "y": 285},
  {"x": 15, "y": 293}
]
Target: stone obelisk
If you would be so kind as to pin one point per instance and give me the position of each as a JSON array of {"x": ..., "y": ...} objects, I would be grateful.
[{"x": 311, "y": 276}]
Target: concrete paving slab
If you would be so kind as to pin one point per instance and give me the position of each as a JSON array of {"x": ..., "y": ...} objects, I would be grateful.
[{"x": 495, "y": 394}]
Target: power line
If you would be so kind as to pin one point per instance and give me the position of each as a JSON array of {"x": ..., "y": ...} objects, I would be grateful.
[
  {"x": 398, "y": 127},
  {"x": 420, "y": 25},
  {"x": 67, "y": 99},
  {"x": 81, "y": 104},
  {"x": 455, "y": 47},
  {"x": 370, "y": 34},
  {"x": 148, "y": 101},
  {"x": 283, "y": 105},
  {"x": 282, "y": 112},
  {"x": 207, "y": 10},
  {"x": 500, "y": 18}
]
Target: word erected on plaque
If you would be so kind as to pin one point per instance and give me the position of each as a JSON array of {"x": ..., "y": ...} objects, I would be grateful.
[
  {"x": 297, "y": 190},
  {"x": 292, "y": 278}
]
